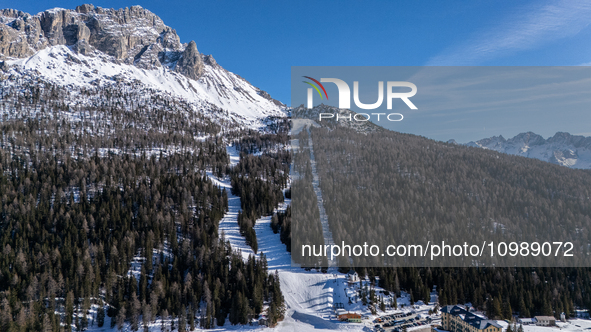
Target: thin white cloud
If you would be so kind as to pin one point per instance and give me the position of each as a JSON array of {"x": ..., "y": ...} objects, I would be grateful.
[{"x": 526, "y": 29}]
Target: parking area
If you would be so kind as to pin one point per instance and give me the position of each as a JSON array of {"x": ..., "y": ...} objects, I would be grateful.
[{"x": 400, "y": 321}]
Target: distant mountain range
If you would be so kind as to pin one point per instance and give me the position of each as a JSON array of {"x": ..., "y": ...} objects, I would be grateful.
[{"x": 564, "y": 149}]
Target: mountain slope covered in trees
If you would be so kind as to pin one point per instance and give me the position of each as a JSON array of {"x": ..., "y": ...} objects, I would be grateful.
[
  {"x": 107, "y": 208},
  {"x": 398, "y": 188}
]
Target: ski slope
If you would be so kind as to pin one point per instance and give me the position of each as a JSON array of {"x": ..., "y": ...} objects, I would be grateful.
[{"x": 309, "y": 295}]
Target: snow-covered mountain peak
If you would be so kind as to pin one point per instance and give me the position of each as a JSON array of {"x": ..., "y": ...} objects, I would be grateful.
[
  {"x": 491, "y": 142},
  {"x": 563, "y": 148},
  {"x": 123, "y": 33},
  {"x": 93, "y": 46},
  {"x": 528, "y": 139}
]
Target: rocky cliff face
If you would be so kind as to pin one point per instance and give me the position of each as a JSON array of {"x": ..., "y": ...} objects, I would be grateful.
[
  {"x": 190, "y": 63},
  {"x": 130, "y": 48},
  {"x": 132, "y": 36}
]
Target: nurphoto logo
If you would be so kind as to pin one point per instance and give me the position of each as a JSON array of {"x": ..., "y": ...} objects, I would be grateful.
[{"x": 345, "y": 93}]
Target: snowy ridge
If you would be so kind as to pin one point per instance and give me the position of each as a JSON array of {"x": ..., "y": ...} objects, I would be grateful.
[
  {"x": 217, "y": 88},
  {"x": 563, "y": 148}
]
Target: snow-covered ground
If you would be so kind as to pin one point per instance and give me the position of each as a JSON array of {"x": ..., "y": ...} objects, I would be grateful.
[
  {"x": 234, "y": 155},
  {"x": 298, "y": 124},
  {"x": 217, "y": 88},
  {"x": 574, "y": 325}
]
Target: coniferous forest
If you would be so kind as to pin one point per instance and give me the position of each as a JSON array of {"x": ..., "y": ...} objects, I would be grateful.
[
  {"x": 475, "y": 184},
  {"x": 306, "y": 227},
  {"x": 107, "y": 211},
  {"x": 259, "y": 181},
  {"x": 392, "y": 188}
]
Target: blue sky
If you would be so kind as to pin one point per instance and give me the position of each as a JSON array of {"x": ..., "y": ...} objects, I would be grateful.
[{"x": 261, "y": 40}]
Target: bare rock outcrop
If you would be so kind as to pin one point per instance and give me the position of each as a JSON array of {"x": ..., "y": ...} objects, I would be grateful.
[
  {"x": 190, "y": 63},
  {"x": 130, "y": 35}
]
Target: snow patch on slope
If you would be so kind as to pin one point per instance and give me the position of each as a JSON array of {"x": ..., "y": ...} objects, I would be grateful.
[{"x": 216, "y": 88}]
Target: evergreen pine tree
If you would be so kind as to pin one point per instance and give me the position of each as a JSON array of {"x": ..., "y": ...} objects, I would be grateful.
[
  {"x": 523, "y": 311},
  {"x": 547, "y": 308},
  {"x": 497, "y": 309},
  {"x": 191, "y": 315},
  {"x": 100, "y": 316},
  {"x": 183, "y": 319},
  {"x": 121, "y": 318},
  {"x": 426, "y": 295},
  {"x": 507, "y": 312},
  {"x": 509, "y": 329},
  {"x": 47, "y": 325}
]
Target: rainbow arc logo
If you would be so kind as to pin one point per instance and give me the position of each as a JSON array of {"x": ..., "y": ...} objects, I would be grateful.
[{"x": 315, "y": 87}]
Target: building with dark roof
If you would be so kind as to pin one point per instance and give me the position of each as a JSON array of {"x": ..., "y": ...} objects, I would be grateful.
[
  {"x": 352, "y": 277},
  {"x": 456, "y": 318}
]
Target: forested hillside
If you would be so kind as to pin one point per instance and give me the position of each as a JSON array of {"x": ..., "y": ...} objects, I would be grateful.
[
  {"x": 306, "y": 227},
  {"x": 107, "y": 211},
  {"x": 259, "y": 181},
  {"x": 430, "y": 186},
  {"x": 392, "y": 188}
]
